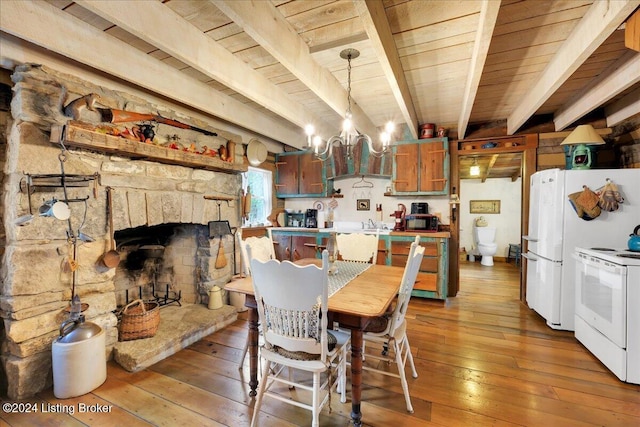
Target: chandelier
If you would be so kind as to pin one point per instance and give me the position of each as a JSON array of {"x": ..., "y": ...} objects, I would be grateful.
[{"x": 349, "y": 136}]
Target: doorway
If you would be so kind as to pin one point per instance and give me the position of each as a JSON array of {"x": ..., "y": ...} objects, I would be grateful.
[{"x": 518, "y": 158}]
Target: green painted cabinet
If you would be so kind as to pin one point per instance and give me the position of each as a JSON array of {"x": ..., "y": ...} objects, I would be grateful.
[
  {"x": 300, "y": 174},
  {"x": 361, "y": 163},
  {"x": 432, "y": 278},
  {"x": 421, "y": 167}
]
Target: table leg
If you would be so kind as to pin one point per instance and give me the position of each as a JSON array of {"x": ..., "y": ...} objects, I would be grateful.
[
  {"x": 356, "y": 376},
  {"x": 253, "y": 351}
]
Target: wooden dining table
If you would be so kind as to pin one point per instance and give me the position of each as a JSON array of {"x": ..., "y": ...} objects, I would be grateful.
[{"x": 366, "y": 296}]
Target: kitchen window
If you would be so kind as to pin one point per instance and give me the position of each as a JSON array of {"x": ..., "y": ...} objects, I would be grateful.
[{"x": 259, "y": 183}]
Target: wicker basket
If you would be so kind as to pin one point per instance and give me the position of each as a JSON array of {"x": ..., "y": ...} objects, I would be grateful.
[{"x": 139, "y": 320}]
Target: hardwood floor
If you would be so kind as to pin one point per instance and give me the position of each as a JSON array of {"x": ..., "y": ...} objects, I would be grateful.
[{"x": 483, "y": 358}]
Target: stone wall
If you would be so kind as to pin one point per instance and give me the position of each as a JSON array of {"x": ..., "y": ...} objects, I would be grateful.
[{"x": 37, "y": 260}]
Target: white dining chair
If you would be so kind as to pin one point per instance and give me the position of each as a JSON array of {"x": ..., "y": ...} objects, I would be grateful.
[
  {"x": 358, "y": 247},
  {"x": 390, "y": 330},
  {"x": 261, "y": 248},
  {"x": 292, "y": 306}
]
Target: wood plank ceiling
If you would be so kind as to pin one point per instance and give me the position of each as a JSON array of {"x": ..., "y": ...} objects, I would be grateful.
[{"x": 271, "y": 67}]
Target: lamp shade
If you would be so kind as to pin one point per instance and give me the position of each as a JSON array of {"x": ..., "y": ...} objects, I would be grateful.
[{"x": 583, "y": 134}]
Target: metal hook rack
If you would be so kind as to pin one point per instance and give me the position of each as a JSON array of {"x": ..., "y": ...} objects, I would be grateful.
[
  {"x": 363, "y": 183},
  {"x": 31, "y": 182}
]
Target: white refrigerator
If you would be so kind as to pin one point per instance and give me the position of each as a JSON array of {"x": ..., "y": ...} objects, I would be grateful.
[{"x": 555, "y": 230}]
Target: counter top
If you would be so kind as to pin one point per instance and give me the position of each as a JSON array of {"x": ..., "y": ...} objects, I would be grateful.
[{"x": 439, "y": 234}]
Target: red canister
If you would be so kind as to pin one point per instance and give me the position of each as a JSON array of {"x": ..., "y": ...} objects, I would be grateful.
[{"x": 426, "y": 130}]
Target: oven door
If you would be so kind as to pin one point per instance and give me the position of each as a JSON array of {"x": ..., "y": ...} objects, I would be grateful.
[{"x": 601, "y": 292}]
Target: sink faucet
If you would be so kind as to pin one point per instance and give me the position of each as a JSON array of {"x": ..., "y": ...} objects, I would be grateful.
[{"x": 371, "y": 223}]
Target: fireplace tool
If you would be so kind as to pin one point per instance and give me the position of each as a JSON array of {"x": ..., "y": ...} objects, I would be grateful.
[
  {"x": 155, "y": 252},
  {"x": 220, "y": 229}
]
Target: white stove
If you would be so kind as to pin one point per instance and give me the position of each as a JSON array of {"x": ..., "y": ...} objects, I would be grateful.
[
  {"x": 616, "y": 256},
  {"x": 607, "y": 300}
]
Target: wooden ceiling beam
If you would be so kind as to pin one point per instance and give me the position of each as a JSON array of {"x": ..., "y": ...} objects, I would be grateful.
[
  {"x": 598, "y": 23},
  {"x": 623, "y": 109},
  {"x": 176, "y": 36},
  {"x": 262, "y": 21},
  {"x": 374, "y": 19},
  {"x": 625, "y": 73},
  {"x": 487, "y": 171},
  {"x": 488, "y": 16},
  {"x": 632, "y": 32},
  {"x": 36, "y": 22}
]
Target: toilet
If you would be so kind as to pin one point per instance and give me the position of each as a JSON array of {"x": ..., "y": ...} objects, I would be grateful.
[{"x": 484, "y": 238}]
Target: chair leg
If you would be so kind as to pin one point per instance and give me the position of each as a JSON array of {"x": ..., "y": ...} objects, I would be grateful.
[
  {"x": 245, "y": 350},
  {"x": 414, "y": 373},
  {"x": 315, "y": 410},
  {"x": 263, "y": 386},
  {"x": 403, "y": 378},
  {"x": 342, "y": 380}
]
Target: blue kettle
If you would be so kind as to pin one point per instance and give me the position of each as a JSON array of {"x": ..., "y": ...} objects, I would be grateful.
[{"x": 634, "y": 240}]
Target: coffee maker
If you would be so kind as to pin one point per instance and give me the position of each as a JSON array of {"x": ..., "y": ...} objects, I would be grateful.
[{"x": 311, "y": 218}]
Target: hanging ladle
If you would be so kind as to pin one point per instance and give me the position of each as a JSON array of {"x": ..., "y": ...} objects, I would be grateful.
[{"x": 110, "y": 259}]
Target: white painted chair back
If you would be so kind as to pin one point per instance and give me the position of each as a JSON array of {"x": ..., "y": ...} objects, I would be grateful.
[
  {"x": 358, "y": 247},
  {"x": 261, "y": 248},
  {"x": 292, "y": 304},
  {"x": 406, "y": 287},
  {"x": 394, "y": 336}
]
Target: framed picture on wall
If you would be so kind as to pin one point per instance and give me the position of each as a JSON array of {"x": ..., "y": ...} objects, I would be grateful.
[
  {"x": 362, "y": 204},
  {"x": 484, "y": 206}
]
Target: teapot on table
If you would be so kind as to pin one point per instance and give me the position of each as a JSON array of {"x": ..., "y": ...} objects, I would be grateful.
[{"x": 634, "y": 240}]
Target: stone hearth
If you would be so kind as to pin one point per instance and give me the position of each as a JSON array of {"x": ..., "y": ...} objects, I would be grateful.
[{"x": 180, "y": 326}]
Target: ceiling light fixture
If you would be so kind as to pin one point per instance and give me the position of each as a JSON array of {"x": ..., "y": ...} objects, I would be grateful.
[
  {"x": 579, "y": 140},
  {"x": 349, "y": 136},
  {"x": 474, "y": 170}
]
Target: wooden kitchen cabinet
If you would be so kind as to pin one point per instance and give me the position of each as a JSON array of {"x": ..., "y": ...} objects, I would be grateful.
[
  {"x": 433, "y": 274},
  {"x": 421, "y": 167},
  {"x": 293, "y": 246},
  {"x": 361, "y": 163},
  {"x": 300, "y": 174}
]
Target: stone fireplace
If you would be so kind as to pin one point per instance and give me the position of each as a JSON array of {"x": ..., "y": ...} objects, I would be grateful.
[
  {"x": 169, "y": 263},
  {"x": 154, "y": 203}
]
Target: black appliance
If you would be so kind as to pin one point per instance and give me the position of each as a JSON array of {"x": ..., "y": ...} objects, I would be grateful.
[
  {"x": 294, "y": 219},
  {"x": 311, "y": 218},
  {"x": 421, "y": 222},
  {"x": 420, "y": 208}
]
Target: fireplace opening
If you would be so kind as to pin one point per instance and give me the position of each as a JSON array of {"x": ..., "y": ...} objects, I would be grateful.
[{"x": 168, "y": 263}]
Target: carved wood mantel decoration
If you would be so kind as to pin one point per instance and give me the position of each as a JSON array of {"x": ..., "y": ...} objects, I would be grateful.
[{"x": 73, "y": 134}]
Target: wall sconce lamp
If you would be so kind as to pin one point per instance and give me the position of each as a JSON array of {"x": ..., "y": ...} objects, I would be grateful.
[
  {"x": 474, "y": 170},
  {"x": 578, "y": 141}
]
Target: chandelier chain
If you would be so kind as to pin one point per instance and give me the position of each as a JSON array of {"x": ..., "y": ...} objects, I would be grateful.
[{"x": 349, "y": 84}]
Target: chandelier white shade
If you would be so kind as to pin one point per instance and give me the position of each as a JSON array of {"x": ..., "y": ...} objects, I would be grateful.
[{"x": 349, "y": 135}]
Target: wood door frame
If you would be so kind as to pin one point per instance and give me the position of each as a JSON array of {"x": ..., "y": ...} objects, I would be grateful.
[{"x": 528, "y": 148}]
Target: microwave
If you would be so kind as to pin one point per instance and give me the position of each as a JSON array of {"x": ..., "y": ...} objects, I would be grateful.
[{"x": 421, "y": 222}]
